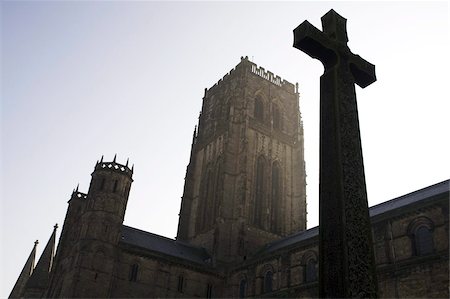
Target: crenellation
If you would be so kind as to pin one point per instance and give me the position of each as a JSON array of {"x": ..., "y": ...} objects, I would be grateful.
[
  {"x": 224, "y": 79},
  {"x": 78, "y": 195},
  {"x": 115, "y": 167}
]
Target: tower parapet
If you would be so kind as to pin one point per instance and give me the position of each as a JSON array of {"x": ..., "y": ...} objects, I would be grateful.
[
  {"x": 91, "y": 233},
  {"x": 78, "y": 195},
  {"x": 253, "y": 68},
  {"x": 114, "y": 166}
]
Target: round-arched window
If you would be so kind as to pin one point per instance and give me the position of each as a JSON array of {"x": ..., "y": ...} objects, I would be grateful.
[
  {"x": 423, "y": 240},
  {"x": 243, "y": 288},
  {"x": 268, "y": 282}
]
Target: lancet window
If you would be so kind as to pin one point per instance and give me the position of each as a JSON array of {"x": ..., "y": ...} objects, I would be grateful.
[
  {"x": 242, "y": 288},
  {"x": 276, "y": 197},
  {"x": 259, "y": 192},
  {"x": 133, "y": 272},
  {"x": 206, "y": 206},
  {"x": 218, "y": 193},
  {"x": 276, "y": 117},
  {"x": 259, "y": 109},
  {"x": 209, "y": 288},
  {"x": 180, "y": 284}
]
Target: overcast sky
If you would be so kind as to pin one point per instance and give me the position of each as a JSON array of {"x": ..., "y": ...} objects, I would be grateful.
[{"x": 86, "y": 79}]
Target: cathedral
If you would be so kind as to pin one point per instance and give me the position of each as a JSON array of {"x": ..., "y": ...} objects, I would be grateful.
[{"x": 242, "y": 222}]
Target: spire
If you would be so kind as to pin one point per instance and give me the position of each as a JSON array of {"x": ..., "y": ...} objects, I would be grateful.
[
  {"x": 101, "y": 160},
  {"x": 19, "y": 287},
  {"x": 76, "y": 190},
  {"x": 115, "y": 156},
  {"x": 40, "y": 278},
  {"x": 127, "y": 162}
]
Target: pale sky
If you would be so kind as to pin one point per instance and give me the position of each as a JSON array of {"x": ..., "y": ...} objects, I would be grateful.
[{"x": 84, "y": 79}]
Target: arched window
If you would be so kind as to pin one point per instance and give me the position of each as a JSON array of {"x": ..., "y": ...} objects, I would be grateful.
[
  {"x": 311, "y": 270},
  {"x": 276, "y": 117},
  {"x": 423, "y": 239},
  {"x": 133, "y": 272},
  {"x": 115, "y": 186},
  {"x": 243, "y": 288},
  {"x": 200, "y": 214},
  {"x": 209, "y": 202},
  {"x": 209, "y": 289},
  {"x": 180, "y": 283},
  {"x": 309, "y": 264},
  {"x": 276, "y": 198},
  {"x": 259, "y": 109},
  {"x": 102, "y": 184},
  {"x": 421, "y": 232},
  {"x": 218, "y": 193},
  {"x": 268, "y": 281},
  {"x": 205, "y": 205},
  {"x": 259, "y": 192}
]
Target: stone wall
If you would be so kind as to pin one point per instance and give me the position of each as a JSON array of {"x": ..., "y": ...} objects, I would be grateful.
[
  {"x": 161, "y": 277},
  {"x": 402, "y": 273}
]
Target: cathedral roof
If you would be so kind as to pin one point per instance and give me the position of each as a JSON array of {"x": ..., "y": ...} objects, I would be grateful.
[
  {"x": 386, "y": 208},
  {"x": 163, "y": 245},
  {"x": 169, "y": 247},
  {"x": 416, "y": 197}
]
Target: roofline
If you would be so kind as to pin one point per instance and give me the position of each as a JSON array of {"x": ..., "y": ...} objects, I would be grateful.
[
  {"x": 440, "y": 184},
  {"x": 441, "y": 188}
]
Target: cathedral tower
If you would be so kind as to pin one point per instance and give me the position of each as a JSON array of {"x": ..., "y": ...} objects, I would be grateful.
[
  {"x": 91, "y": 232},
  {"x": 245, "y": 182}
]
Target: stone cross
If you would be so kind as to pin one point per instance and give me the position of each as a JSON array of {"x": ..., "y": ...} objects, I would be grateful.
[{"x": 346, "y": 259}]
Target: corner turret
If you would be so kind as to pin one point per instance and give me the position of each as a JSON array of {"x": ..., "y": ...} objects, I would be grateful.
[
  {"x": 91, "y": 232},
  {"x": 101, "y": 224}
]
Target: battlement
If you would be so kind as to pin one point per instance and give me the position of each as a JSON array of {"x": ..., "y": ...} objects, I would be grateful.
[
  {"x": 78, "y": 195},
  {"x": 114, "y": 166},
  {"x": 259, "y": 71},
  {"x": 225, "y": 77},
  {"x": 269, "y": 76}
]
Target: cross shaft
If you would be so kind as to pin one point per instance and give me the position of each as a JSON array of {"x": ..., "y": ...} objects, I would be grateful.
[{"x": 346, "y": 259}]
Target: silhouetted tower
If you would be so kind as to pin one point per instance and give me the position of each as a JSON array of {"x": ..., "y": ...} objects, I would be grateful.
[
  {"x": 245, "y": 182},
  {"x": 86, "y": 254},
  {"x": 67, "y": 253}
]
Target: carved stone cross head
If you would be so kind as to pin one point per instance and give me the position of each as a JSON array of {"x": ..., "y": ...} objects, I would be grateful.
[{"x": 330, "y": 47}]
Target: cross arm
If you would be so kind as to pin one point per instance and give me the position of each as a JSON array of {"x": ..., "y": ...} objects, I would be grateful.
[
  {"x": 314, "y": 42},
  {"x": 363, "y": 71}
]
